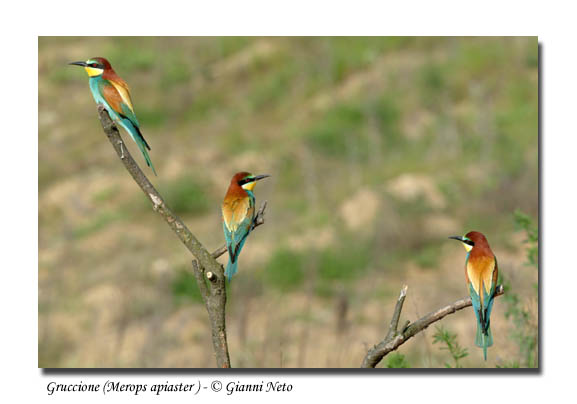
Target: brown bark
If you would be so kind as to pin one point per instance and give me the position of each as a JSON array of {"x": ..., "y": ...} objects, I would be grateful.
[{"x": 205, "y": 266}]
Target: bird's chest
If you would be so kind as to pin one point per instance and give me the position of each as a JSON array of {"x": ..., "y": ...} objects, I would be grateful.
[{"x": 95, "y": 89}]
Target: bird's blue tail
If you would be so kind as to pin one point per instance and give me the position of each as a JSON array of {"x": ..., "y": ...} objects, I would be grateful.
[
  {"x": 146, "y": 156},
  {"x": 483, "y": 340},
  {"x": 136, "y": 135},
  {"x": 231, "y": 269}
]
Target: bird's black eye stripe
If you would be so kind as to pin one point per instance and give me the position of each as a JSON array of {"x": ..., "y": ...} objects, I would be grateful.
[
  {"x": 471, "y": 243},
  {"x": 245, "y": 181}
]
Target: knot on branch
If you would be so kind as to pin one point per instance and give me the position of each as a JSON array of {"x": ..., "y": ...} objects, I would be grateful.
[
  {"x": 211, "y": 276},
  {"x": 156, "y": 202}
]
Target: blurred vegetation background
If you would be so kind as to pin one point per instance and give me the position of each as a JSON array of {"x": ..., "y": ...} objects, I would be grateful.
[{"x": 379, "y": 149}]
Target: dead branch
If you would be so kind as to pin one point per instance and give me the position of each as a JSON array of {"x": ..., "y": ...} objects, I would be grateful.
[
  {"x": 204, "y": 264},
  {"x": 395, "y": 338}
]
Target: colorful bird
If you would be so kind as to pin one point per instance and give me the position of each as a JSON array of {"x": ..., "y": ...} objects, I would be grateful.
[
  {"x": 112, "y": 92},
  {"x": 238, "y": 215},
  {"x": 481, "y": 272}
]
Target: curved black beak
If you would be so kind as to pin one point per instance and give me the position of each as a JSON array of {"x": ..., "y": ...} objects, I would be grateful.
[
  {"x": 83, "y": 64},
  {"x": 260, "y": 177},
  {"x": 460, "y": 238}
]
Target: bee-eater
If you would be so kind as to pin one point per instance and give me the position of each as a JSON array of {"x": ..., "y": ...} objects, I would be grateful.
[
  {"x": 238, "y": 213},
  {"x": 112, "y": 92},
  {"x": 481, "y": 272}
]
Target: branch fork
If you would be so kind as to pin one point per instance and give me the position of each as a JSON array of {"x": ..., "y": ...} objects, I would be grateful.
[
  {"x": 204, "y": 264},
  {"x": 205, "y": 267},
  {"x": 395, "y": 338}
]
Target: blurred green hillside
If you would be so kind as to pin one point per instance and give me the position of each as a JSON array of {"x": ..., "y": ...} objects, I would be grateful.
[{"x": 379, "y": 149}]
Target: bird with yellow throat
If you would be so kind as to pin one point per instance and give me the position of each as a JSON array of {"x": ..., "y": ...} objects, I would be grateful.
[
  {"x": 110, "y": 91},
  {"x": 238, "y": 214},
  {"x": 481, "y": 272}
]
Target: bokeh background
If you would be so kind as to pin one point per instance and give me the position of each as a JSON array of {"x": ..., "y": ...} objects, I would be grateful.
[{"x": 379, "y": 149}]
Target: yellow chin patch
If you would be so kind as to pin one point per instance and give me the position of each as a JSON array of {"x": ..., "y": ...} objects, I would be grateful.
[
  {"x": 467, "y": 247},
  {"x": 249, "y": 186},
  {"x": 93, "y": 72}
]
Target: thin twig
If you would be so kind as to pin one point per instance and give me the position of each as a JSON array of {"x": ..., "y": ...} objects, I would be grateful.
[
  {"x": 393, "y": 340},
  {"x": 397, "y": 314}
]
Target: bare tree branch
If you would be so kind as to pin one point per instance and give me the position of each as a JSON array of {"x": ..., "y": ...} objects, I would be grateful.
[
  {"x": 396, "y": 338},
  {"x": 205, "y": 264},
  {"x": 397, "y": 313},
  {"x": 206, "y": 267},
  {"x": 214, "y": 298}
]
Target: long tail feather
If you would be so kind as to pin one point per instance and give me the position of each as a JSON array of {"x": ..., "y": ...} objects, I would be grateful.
[
  {"x": 146, "y": 157},
  {"x": 483, "y": 340},
  {"x": 231, "y": 269},
  {"x": 136, "y": 135}
]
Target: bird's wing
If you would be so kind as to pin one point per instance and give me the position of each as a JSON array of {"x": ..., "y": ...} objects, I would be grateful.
[
  {"x": 489, "y": 276},
  {"x": 111, "y": 96},
  {"x": 239, "y": 237},
  {"x": 482, "y": 277},
  {"x": 480, "y": 274},
  {"x": 495, "y": 275},
  {"x": 235, "y": 211},
  {"x": 118, "y": 98},
  {"x": 124, "y": 92},
  {"x": 491, "y": 283},
  {"x": 238, "y": 215}
]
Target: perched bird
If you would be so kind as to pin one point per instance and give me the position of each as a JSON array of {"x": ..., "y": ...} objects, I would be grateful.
[
  {"x": 238, "y": 213},
  {"x": 112, "y": 92},
  {"x": 481, "y": 272}
]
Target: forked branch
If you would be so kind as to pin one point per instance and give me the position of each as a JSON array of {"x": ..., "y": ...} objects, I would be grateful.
[
  {"x": 205, "y": 264},
  {"x": 214, "y": 296},
  {"x": 395, "y": 337}
]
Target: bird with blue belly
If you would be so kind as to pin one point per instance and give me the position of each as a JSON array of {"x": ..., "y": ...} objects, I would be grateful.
[{"x": 110, "y": 91}]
